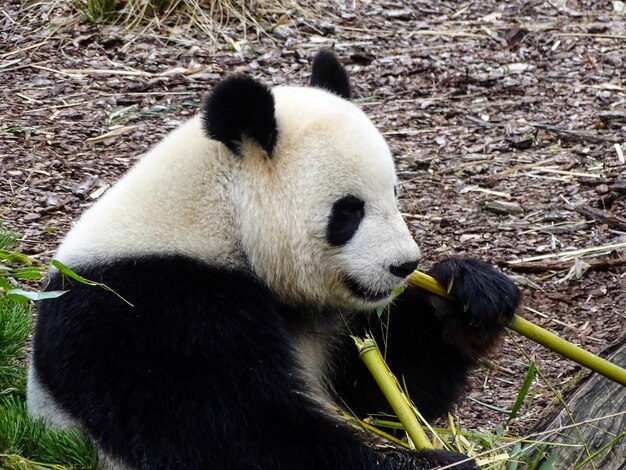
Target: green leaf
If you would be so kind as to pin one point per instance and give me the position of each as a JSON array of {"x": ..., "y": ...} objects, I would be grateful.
[
  {"x": 396, "y": 292},
  {"x": 513, "y": 461},
  {"x": 526, "y": 455},
  {"x": 15, "y": 257},
  {"x": 523, "y": 391},
  {"x": 4, "y": 284},
  {"x": 21, "y": 273},
  {"x": 547, "y": 464},
  {"x": 71, "y": 274},
  {"x": 21, "y": 295}
]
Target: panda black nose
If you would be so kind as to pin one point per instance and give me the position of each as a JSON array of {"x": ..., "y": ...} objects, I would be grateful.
[{"x": 404, "y": 269}]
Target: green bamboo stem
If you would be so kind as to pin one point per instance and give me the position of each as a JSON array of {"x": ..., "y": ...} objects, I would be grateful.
[
  {"x": 370, "y": 355},
  {"x": 539, "y": 335}
]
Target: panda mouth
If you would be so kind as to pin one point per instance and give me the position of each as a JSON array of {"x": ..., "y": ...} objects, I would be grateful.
[{"x": 363, "y": 292}]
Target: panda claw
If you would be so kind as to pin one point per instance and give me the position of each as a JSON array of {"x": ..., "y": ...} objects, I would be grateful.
[{"x": 450, "y": 284}]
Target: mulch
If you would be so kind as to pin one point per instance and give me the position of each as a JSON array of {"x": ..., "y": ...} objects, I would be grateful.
[{"x": 507, "y": 121}]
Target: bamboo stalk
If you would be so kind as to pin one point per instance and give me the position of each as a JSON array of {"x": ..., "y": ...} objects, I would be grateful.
[
  {"x": 539, "y": 335},
  {"x": 567, "y": 349},
  {"x": 370, "y": 355}
]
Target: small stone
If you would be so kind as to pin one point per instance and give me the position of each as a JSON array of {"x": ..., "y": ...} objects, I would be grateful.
[{"x": 283, "y": 32}]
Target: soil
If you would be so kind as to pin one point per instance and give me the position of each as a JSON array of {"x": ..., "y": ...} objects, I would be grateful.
[{"x": 507, "y": 121}]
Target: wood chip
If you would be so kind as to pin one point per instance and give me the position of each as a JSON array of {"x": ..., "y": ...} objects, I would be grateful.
[
  {"x": 620, "y": 153},
  {"x": 503, "y": 207}
]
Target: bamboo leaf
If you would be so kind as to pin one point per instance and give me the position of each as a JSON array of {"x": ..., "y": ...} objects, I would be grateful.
[
  {"x": 21, "y": 295},
  {"x": 15, "y": 257},
  {"x": 397, "y": 291},
  {"x": 21, "y": 273},
  {"x": 547, "y": 464},
  {"x": 71, "y": 274},
  {"x": 514, "y": 462},
  {"x": 523, "y": 391},
  {"x": 5, "y": 285}
]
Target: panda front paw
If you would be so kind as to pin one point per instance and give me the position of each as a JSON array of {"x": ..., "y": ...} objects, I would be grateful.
[{"x": 482, "y": 297}]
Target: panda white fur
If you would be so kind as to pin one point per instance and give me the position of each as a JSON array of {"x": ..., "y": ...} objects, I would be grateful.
[{"x": 250, "y": 243}]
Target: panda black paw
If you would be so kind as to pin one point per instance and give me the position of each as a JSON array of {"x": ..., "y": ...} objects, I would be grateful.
[
  {"x": 482, "y": 295},
  {"x": 441, "y": 458}
]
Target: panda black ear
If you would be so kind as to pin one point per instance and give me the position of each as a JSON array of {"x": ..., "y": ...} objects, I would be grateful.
[
  {"x": 329, "y": 74},
  {"x": 241, "y": 106}
]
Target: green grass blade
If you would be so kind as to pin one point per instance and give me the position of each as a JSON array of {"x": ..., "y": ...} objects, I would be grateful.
[
  {"x": 547, "y": 464},
  {"x": 514, "y": 462},
  {"x": 8, "y": 238},
  {"x": 523, "y": 391}
]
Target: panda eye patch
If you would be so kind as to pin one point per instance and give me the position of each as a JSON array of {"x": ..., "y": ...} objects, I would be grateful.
[{"x": 345, "y": 217}]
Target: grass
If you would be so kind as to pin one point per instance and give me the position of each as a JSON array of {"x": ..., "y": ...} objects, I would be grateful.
[
  {"x": 15, "y": 327},
  {"x": 25, "y": 443},
  {"x": 8, "y": 238},
  {"x": 207, "y": 16},
  {"x": 99, "y": 10}
]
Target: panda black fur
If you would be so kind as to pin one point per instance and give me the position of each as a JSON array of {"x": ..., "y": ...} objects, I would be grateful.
[{"x": 247, "y": 257}]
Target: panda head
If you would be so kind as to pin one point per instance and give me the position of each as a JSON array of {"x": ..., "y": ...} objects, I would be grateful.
[{"x": 313, "y": 190}]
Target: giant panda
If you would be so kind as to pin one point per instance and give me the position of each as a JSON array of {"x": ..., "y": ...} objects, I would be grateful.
[{"x": 241, "y": 253}]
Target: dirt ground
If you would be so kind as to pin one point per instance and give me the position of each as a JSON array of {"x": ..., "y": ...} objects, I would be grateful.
[{"x": 507, "y": 120}]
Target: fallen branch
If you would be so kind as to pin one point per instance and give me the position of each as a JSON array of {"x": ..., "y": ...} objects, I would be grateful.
[
  {"x": 574, "y": 134},
  {"x": 543, "y": 266},
  {"x": 603, "y": 217}
]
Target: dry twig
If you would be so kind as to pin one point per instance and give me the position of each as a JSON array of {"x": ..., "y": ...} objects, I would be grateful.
[
  {"x": 604, "y": 217},
  {"x": 543, "y": 266}
]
